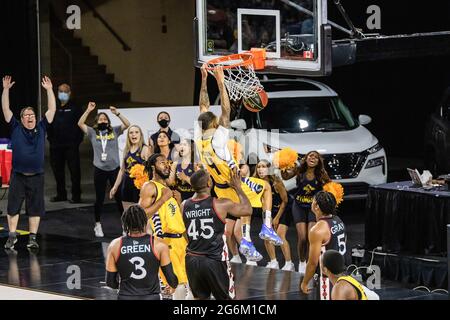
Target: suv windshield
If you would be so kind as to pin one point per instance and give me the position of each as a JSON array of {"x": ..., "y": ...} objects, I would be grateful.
[{"x": 307, "y": 114}]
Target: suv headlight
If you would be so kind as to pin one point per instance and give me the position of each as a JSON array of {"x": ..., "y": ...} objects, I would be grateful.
[
  {"x": 270, "y": 149},
  {"x": 374, "y": 149},
  {"x": 375, "y": 162}
]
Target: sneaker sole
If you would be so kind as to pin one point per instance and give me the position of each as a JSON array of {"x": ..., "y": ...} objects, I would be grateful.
[
  {"x": 255, "y": 259},
  {"x": 275, "y": 242}
]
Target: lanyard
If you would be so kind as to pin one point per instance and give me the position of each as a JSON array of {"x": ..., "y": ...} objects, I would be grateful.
[{"x": 104, "y": 141}]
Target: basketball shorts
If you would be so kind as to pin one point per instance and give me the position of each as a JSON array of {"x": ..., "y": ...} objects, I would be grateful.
[
  {"x": 177, "y": 250},
  {"x": 207, "y": 276},
  {"x": 230, "y": 193}
]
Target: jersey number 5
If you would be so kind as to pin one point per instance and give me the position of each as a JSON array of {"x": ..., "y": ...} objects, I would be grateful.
[
  {"x": 341, "y": 243},
  {"x": 138, "y": 265},
  {"x": 192, "y": 229}
]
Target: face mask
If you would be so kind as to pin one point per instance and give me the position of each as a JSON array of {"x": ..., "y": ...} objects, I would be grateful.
[
  {"x": 102, "y": 126},
  {"x": 164, "y": 123},
  {"x": 63, "y": 96}
]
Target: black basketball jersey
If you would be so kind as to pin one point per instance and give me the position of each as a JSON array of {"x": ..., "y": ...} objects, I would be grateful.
[
  {"x": 338, "y": 237},
  {"x": 205, "y": 230},
  {"x": 138, "y": 267}
]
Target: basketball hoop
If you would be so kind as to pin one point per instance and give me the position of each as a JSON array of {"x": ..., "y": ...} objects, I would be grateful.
[{"x": 240, "y": 77}]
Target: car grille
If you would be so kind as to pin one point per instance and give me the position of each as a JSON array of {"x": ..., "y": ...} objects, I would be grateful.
[{"x": 345, "y": 165}]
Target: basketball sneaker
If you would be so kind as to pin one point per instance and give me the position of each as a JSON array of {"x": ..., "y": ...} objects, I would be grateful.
[
  {"x": 98, "y": 230},
  {"x": 270, "y": 235},
  {"x": 302, "y": 267},
  {"x": 12, "y": 240},
  {"x": 251, "y": 263},
  {"x": 32, "y": 242},
  {"x": 236, "y": 259},
  {"x": 289, "y": 266},
  {"x": 273, "y": 265},
  {"x": 247, "y": 248}
]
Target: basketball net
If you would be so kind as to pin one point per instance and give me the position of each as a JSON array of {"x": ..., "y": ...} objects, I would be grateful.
[{"x": 241, "y": 80}]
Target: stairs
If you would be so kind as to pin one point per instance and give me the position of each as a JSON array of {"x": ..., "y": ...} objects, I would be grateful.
[{"x": 90, "y": 81}]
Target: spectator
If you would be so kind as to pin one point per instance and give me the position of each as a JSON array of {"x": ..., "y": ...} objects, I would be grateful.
[
  {"x": 136, "y": 152},
  {"x": 164, "y": 145},
  {"x": 163, "y": 119},
  {"x": 106, "y": 156},
  {"x": 65, "y": 137},
  {"x": 28, "y": 147},
  {"x": 183, "y": 168}
]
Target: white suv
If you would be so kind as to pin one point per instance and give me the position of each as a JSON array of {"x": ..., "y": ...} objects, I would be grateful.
[{"x": 307, "y": 115}]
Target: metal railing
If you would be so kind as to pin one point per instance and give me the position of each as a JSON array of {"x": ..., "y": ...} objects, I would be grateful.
[{"x": 125, "y": 47}]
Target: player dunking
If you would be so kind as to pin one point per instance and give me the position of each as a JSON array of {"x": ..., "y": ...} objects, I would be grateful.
[
  {"x": 207, "y": 264},
  {"x": 136, "y": 258},
  {"x": 327, "y": 234},
  {"x": 162, "y": 203},
  {"x": 218, "y": 160}
]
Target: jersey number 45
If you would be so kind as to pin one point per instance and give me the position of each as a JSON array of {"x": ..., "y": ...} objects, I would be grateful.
[{"x": 207, "y": 231}]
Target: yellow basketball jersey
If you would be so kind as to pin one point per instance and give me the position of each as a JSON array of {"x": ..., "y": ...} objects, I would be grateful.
[
  {"x": 254, "y": 189},
  {"x": 218, "y": 169},
  {"x": 169, "y": 213},
  {"x": 356, "y": 285}
]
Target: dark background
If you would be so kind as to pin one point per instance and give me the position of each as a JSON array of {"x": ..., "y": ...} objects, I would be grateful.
[
  {"x": 18, "y": 54},
  {"x": 398, "y": 94}
]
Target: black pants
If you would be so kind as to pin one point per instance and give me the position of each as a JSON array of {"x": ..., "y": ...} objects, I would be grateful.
[
  {"x": 58, "y": 158},
  {"x": 101, "y": 177}
]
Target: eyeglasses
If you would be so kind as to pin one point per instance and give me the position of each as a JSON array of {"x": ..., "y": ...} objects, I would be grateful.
[{"x": 29, "y": 116}]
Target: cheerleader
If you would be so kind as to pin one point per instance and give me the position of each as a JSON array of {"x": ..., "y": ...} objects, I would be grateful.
[
  {"x": 283, "y": 215},
  {"x": 136, "y": 152}
]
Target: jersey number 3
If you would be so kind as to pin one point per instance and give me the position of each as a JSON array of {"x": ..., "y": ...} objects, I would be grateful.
[
  {"x": 207, "y": 230},
  {"x": 138, "y": 265}
]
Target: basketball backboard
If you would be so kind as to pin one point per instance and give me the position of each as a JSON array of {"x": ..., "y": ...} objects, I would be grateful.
[{"x": 294, "y": 33}]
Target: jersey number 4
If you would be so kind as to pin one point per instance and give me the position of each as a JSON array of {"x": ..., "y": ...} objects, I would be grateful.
[{"x": 207, "y": 230}]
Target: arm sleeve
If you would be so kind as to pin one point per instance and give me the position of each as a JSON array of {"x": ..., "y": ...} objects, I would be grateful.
[
  {"x": 118, "y": 130},
  {"x": 220, "y": 145},
  {"x": 111, "y": 280},
  {"x": 44, "y": 123},
  {"x": 90, "y": 132},
  {"x": 13, "y": 123},
  {"x": 171, "y": 277}
]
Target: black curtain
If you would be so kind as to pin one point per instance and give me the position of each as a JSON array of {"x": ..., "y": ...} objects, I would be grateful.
[{"x": 19, "y": 54}]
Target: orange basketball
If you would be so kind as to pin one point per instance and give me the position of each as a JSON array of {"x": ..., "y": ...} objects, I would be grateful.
[{"x": 257, "y": 102}]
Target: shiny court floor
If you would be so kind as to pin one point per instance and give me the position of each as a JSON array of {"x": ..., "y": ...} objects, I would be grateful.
[{"x": 75, "y": 267}]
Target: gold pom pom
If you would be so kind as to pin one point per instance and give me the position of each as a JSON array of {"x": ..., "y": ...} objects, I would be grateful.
[
  {"x": 285, "y": 158},
  {"x": 140, "y": 177},
  {"x": 336, "y": 189}
]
